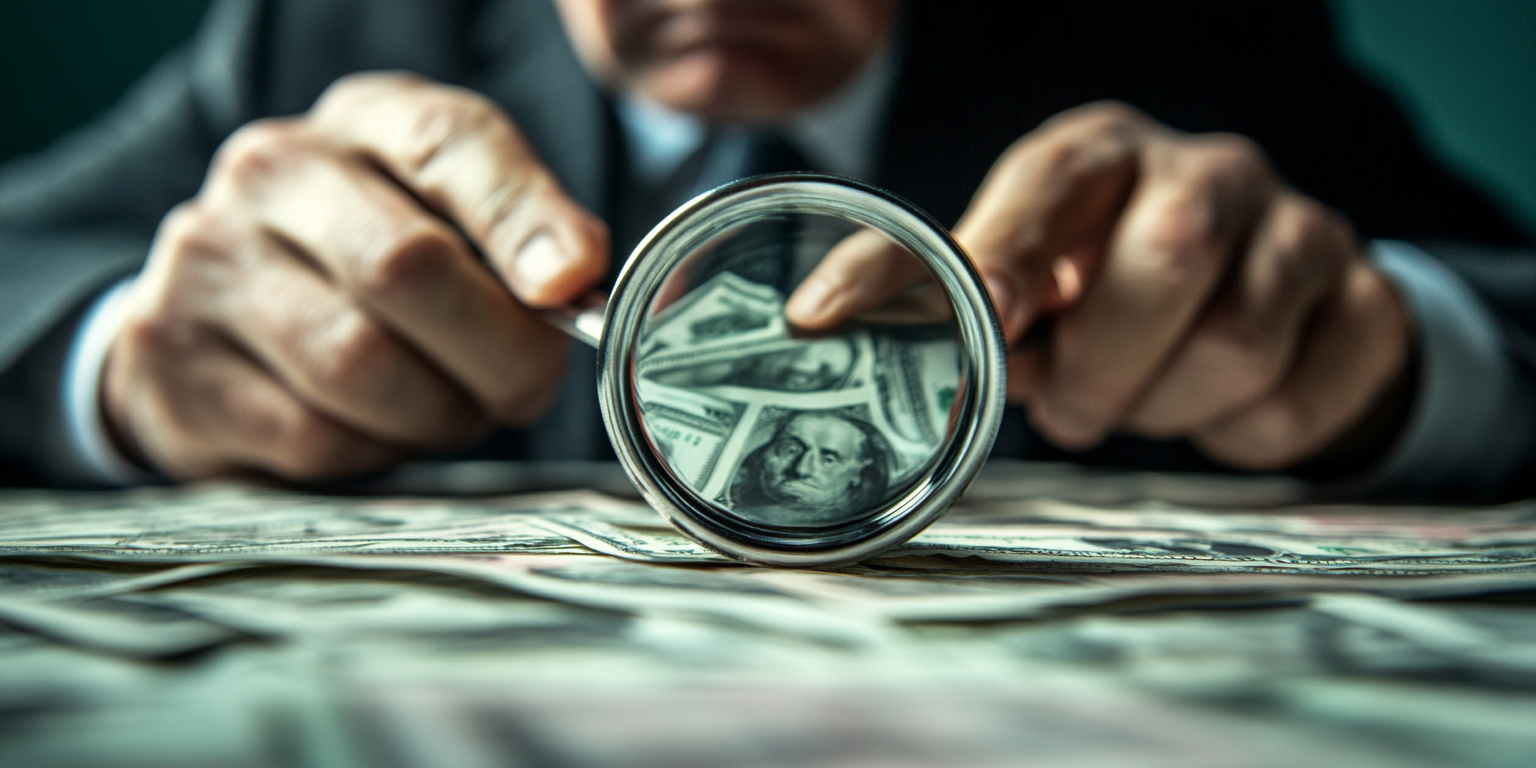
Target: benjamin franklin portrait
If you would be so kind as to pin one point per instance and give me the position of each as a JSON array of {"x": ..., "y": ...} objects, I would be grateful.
[{"x": 818, "y": 468}]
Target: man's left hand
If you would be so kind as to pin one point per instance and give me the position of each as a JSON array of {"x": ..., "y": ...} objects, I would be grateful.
[{"x": 1192, "y": 293}]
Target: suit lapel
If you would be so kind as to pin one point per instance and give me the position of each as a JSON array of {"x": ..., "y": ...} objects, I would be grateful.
[{"x": 531, "y": 71}]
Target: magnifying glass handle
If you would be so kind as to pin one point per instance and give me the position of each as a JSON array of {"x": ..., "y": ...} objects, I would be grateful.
[{"x": 581, "y": 320}]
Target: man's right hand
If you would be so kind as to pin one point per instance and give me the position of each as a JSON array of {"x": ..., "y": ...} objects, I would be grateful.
[{"x": 321, "y": 307}]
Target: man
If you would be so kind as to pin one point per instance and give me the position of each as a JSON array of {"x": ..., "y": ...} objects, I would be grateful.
[
  {"x": 818, "y": 468},
  {"x": 352, "y": 283}
]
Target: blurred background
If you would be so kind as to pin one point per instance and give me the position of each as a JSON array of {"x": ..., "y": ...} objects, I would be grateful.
[{"x": 1466, "y": 69}]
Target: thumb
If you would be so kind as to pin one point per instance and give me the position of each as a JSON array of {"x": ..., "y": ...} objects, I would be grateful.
[
  {"x": 467, "y": 161},
  {"x": 558, "y": 250},
  {"x": 863, "y": 272}
]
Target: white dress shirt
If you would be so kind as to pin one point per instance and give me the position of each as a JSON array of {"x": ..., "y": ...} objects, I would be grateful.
[{"x": 839, "y": 135}]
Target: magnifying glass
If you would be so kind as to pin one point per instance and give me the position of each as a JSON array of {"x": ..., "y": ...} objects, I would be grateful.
[{"x": 770, "y": 443}]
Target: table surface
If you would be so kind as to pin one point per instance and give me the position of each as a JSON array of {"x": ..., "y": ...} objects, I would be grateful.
[{"x": 117, "y": 652}]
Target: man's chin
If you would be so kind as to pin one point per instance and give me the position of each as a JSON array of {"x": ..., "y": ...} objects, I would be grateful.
[
  {"x": 732, "y": 85},
  {"x": 796, "y": 516},
  {"x": 792, "y": 495}
]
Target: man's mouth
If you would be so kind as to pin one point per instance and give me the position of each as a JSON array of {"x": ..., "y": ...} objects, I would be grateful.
[
  {"x": 680, "y": 32},
  {"x": 803, "y": 491}
]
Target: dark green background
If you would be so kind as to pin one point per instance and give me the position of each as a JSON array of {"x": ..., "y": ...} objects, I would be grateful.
[{"x": 1466, "y": 68}]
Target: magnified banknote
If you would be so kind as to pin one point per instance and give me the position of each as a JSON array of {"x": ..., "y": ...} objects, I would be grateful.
[{"x": 788, "y": 429}]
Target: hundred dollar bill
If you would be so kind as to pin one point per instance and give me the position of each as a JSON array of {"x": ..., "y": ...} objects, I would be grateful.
[
  {"x": 45, "y": 579},
  {"x": 767, "y": 480},
  {"x": 798, "y": 369},
  {"x": 726, "y": 310},
  {"x": 689, "y": 429},
  {"x": 240, "y": 522},
  {"x": 917, "y": 375},
  {"x": 1455, "y": 527},
  {"x": 116, "y": 625},
  {"x": 1048, "y": 535},
  {"x": 787, "y": 430},
  {"x": 1090, "y": 548}
]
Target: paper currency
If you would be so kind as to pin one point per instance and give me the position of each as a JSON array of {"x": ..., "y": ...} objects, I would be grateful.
[
  {"x": 242, "y": 523},
  {"x": 380, "y": 667},
  {"x": 1050, "y": 534},
  {"x": 576, "y": 628},
  {"x": 233, "y": 522},
  {"x": 783, "y": 430}
]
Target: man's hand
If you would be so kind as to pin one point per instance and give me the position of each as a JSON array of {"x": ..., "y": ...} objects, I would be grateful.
[
  {"x": 321, "y": 307},
  {"x": 1192, "y": 293}
]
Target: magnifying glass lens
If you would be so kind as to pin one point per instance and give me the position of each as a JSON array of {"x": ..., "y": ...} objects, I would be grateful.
[
  {"x": 784, "y": 426},
  {"x": 807, "y": 443}
]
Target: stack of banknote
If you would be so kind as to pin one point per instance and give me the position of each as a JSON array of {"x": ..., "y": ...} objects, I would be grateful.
[{"x": 1054, "y": 617}]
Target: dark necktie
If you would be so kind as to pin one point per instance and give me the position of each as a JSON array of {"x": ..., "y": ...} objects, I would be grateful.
[{"x": 770, "y": 152}]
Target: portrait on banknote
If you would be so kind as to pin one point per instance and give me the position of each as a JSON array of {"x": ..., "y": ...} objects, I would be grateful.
[
  {"x": 791, "y": 429},
  {"x": 811, "y": 468}
]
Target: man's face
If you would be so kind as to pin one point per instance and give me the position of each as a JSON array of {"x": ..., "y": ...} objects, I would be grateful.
[
  {"x": 742, "y": 61},
  {"x": 815, "y": 463}
]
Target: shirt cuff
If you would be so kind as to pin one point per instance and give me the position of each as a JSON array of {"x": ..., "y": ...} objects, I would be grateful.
[
  {"x": 89, "y": 444},
  {"x": 1475, "y": 413}
]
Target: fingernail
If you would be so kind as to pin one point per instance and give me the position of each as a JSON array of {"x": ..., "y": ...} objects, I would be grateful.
[
  {"x": 810, "y": 301},
  {"x": 540, "y": 261}
]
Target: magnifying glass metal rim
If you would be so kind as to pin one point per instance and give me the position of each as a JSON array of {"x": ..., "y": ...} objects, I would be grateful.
[{"x": 984, "y": 368}]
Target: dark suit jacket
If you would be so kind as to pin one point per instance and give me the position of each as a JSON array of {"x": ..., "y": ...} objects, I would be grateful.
[{"x": 973, "y": 78}]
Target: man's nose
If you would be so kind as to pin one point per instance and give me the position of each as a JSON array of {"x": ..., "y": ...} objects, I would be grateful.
[{"x": 805, "y": 466}]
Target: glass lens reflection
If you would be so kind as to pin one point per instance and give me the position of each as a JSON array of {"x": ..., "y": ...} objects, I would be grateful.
[{"x": 784, "y": 427}]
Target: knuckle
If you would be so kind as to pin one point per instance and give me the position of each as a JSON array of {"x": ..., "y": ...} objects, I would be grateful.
[
  {"x": 1179, "y": 246},
  {"x": 362, "y": 85},
  {"x": 308, "y": 447},
  {"x": 1078, "y": 138},
  {"x": 1237, "y": 353},
  {"x": 1104, "y": 116},
  {"x": 357, "y": 358},
  {"x": 446, "y": 118},
  {"x": 1300, "y": 227},
  {"x": 189, "y": 230},
  {"x": 1307, "y": 245},
  {"x": 1177, "y": 230},
  {"x": 258, "y": 151},
  {"x": 1275, "y": 436},
  {"x": 1231, "y": 154},
  {"x": 192, "y": 258},
  {"x": 1052, "y": 159},
  {"x": 183, "y": 219},
  {"x": 1374, "y": 294},
  {"x": 408, "y": 258},
  {"x": 148, "y": 336},
  {"x": 1226, "y": 171}
]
